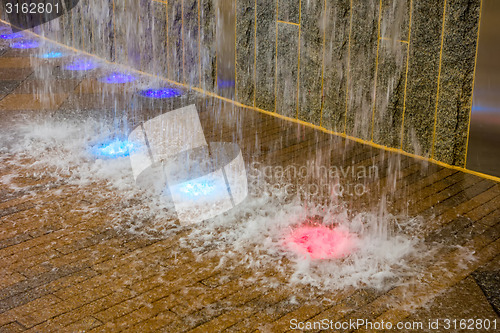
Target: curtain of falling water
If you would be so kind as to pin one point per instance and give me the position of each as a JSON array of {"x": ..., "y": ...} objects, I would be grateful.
[
  {"x": 226, "y": 47},
  {"x": 138, "y": 38}
]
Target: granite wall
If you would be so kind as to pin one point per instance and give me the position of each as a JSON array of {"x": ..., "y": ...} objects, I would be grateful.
[{"x": 398, "y": 73}]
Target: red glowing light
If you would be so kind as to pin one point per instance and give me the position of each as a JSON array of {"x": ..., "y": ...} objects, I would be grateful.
[{"x": 320, "y": 242}]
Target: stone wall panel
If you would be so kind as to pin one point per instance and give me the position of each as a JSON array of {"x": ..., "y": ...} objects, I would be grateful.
[
  {"x": 337, "y": 25},
  {"x": 364, "y": 37},
  {"x": 245, "y": 51},
  {"x": 311, "y": 61},
  {"x": 266, "y": 55},
  {"x": 456, "y": 81},
  {"x": 287, "y": 61},
  {"x": 423, "y": 71}
]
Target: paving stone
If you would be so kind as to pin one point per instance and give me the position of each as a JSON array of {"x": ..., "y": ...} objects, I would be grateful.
[
  {"x": 489, "y": 282},
  {"x": 463, "y": 301},
  {"x": 6, "y": 87}
]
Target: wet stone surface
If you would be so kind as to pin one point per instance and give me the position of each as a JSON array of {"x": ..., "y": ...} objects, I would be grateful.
[
  {"x": 82, "y": 248},
  {"x": 489, "y": 281}
]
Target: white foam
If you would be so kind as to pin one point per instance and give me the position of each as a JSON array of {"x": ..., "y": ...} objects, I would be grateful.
[{"x": 251, "y": 235}]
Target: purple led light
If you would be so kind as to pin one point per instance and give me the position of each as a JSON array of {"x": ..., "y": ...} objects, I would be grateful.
[
  {"x": 25, "y": 44},
  {"x": 161, "y": 93},
  {"x": 225, "y": 83},
  {"x": 81, "y": 65},
  {"x": 118, "y": 78},
  {"x": 12, "y": 35}
]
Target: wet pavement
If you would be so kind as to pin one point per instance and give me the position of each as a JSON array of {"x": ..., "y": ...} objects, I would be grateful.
[{"x": 65, "y": 270}]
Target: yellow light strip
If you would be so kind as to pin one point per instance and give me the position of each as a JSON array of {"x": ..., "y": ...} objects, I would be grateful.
[
  {"x": 323, "y": 68},
  {"x": 216, "y": 84},
  {"x": 347, "y": 72},
  {"x": 199, "y": 44},
  {"x": 183, "y": 48},
  {"x": 255, "y": 55},
  {"x": 285, "y": 22},
  {"x": 406, "y": 74},
  {"x": 276, "y": 63},
  {"x": 376, "y": 69},
  {"x": 235, "y": 49},
  {"x": 168, "y": 41}
]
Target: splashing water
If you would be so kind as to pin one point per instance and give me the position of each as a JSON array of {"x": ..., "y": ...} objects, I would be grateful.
[
  {"x": 115, "y": 148},
  {"x": 118, "y": 78},
  {"x": 263, "y": 231},
  {"x": 25, "y": 44},
  {"x": 161, "y": 93},
  {"x": 320, "y": 242}
]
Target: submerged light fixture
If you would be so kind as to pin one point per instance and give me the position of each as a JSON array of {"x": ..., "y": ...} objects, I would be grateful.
[
  {"x": 114, "y": 148},
  {"x": 198, "y": 188},
  {"x": 51, "y": 55},
  {"x": 12, "y": 35},
  {"x": 203, "y": 180},
  {"x": 81, "y": 64},
  {"x": 117, "y": 78},
  {"x": 161, "y": 93},
  {"x": 25, "y": 44},
  {"x": 225, "y": 83},
  {"x": 321, "y": 242}
]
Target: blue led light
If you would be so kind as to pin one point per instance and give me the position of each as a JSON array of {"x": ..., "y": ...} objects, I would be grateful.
[
  {"x": 51, "y": 55},
  {"x": 161, "y": 93},
  {"x": 197, "y": 188},
  {"x": 485, "y": 109},
  {"x": 81, "y": 65},
  {"x": 25, "y": 44},
  {"x": 13, "y": 35},
  {"x": 118, "y": 78},
  {"x": 113, "y": 148}
]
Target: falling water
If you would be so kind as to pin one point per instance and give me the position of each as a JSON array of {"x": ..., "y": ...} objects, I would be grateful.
[{"x": 372, "y": 247}]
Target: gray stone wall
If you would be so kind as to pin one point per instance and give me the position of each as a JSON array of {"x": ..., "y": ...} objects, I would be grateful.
[
  {"x": 456, "y": 81},
  {"x": 336, "y": 63},
  {"x": 423, "y": 73},
  {"x": 265, "y": 55},
  {"x": 398, "y": 73},
  {"x": 245, "y": 52}
]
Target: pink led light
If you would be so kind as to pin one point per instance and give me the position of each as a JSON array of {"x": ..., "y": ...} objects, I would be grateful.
[{"x": 320, "y": 242}]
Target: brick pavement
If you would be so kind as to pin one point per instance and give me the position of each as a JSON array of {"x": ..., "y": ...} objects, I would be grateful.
[{"x": 64, "y": 271}]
